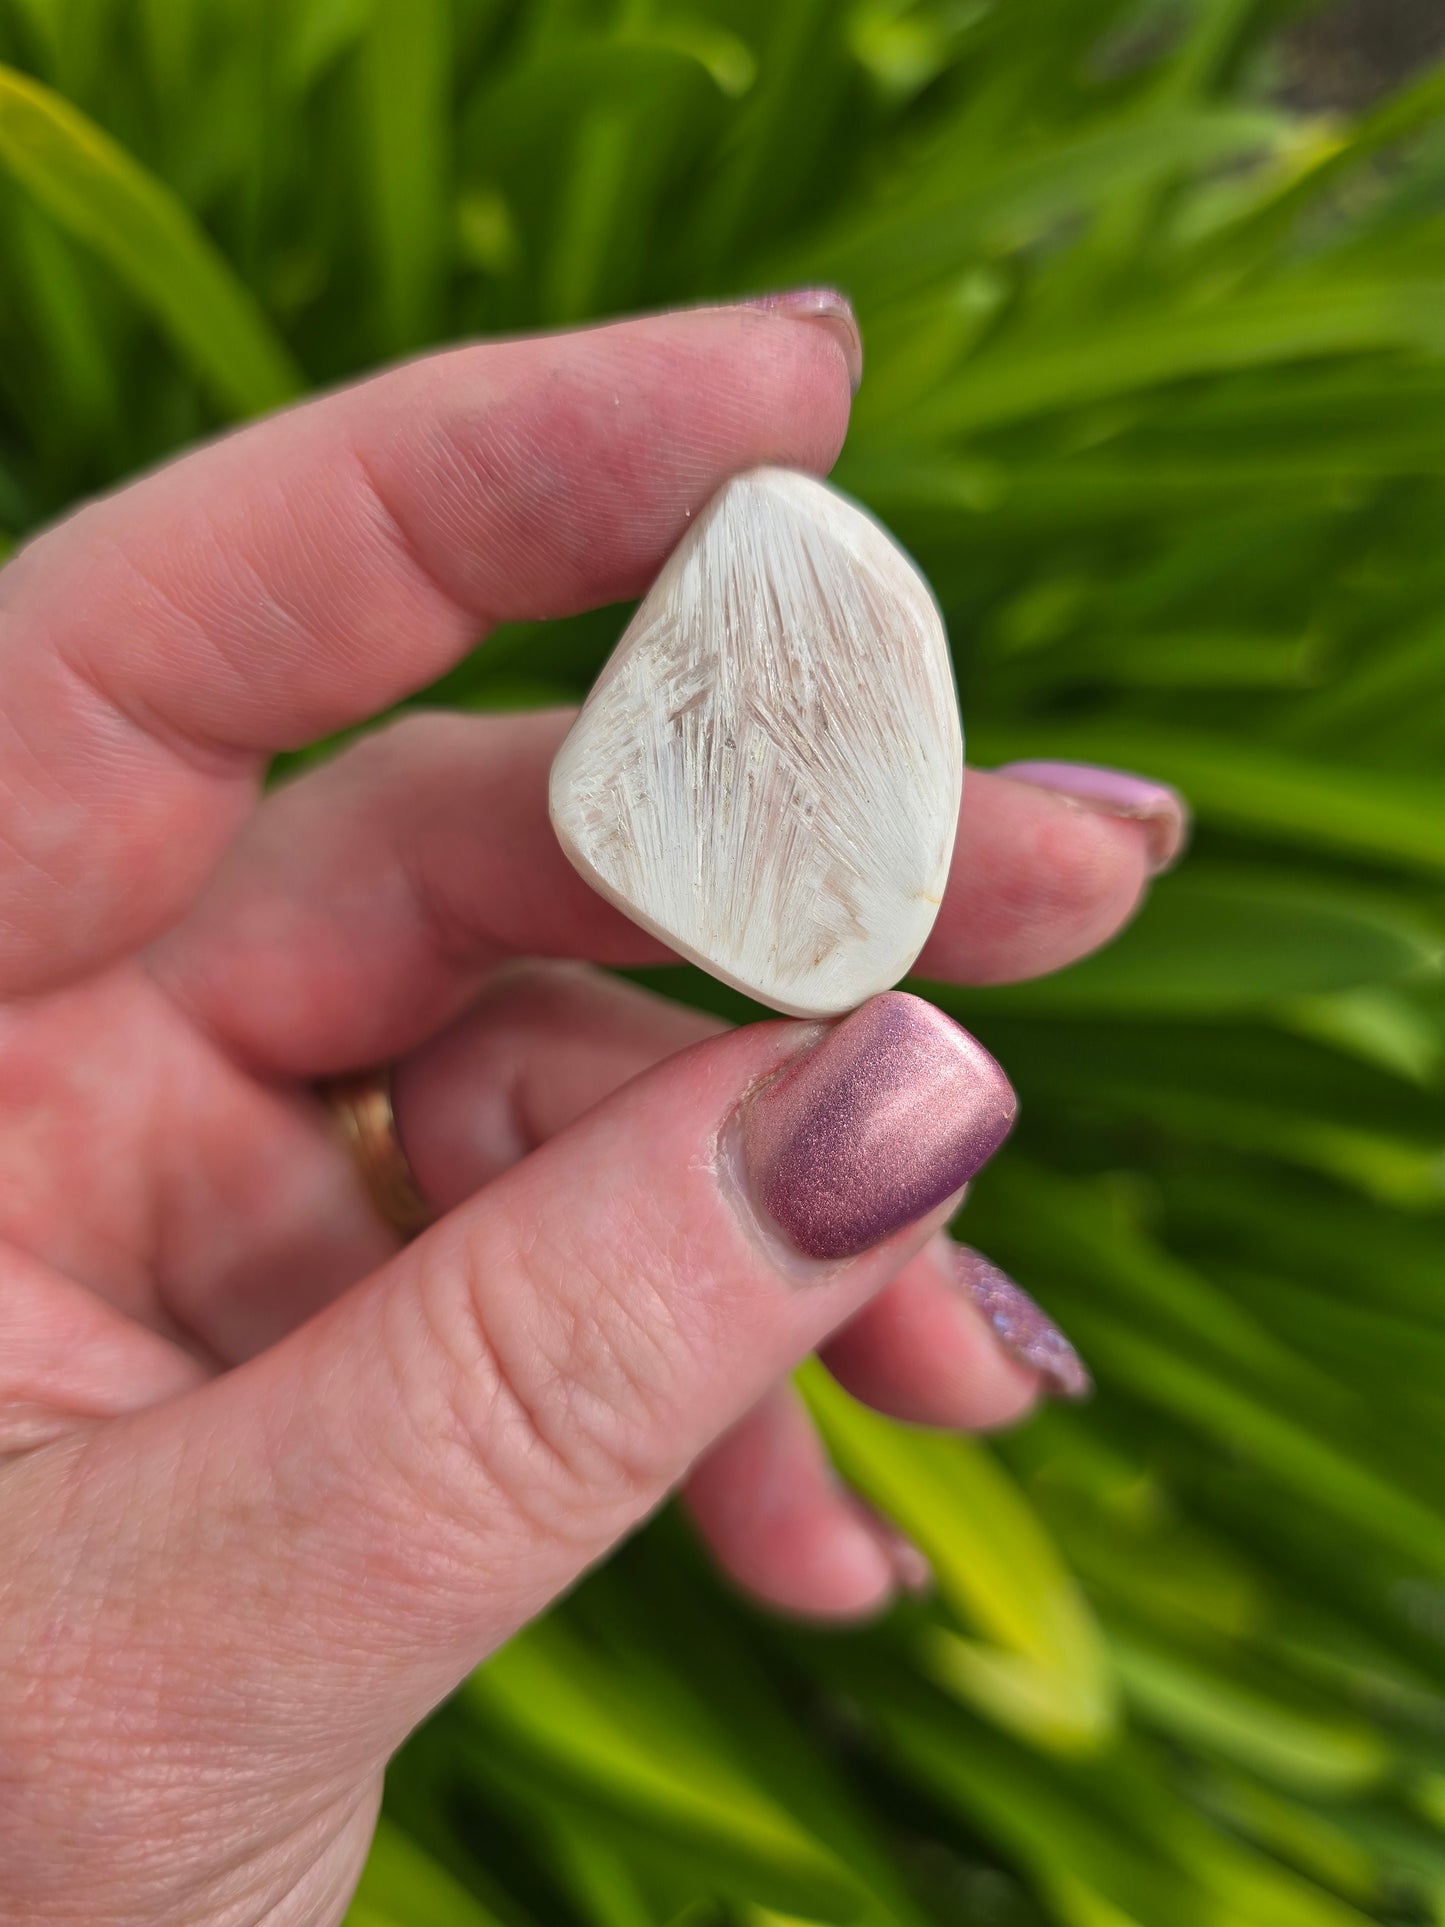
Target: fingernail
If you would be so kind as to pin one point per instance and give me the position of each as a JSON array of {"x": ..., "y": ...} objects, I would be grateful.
[
  {"x": 912, "y": 1570},
  {"x": 1115, "y": 792},
  {"x": 830, "y": 310},
  {"x": 885, "y": 1118},
  {"x": 1020, "y": 1327}
]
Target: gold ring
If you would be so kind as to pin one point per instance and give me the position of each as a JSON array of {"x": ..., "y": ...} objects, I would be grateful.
[{"x": 366, "y": 1123}]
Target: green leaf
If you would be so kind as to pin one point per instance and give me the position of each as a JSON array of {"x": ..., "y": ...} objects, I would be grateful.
[
  {"x": 1106, "y": 1845},
  {"x": 1379, "y": 1026},
  {"x": 404, "y": 77},
  {"x": 317, "y": 32},
  {"x": 93, "y": 190},
  {"x": 402, "y": 1886},
  {"x": 1147, "y": 349},
  {"x": 1220, "y": 938},
  {"x": 934, "y": 225},
  {"x": 1306, "y": 1750},
  {"x": 1318, "y": 164},
  {"x": 85, "y": 398},
  {"x": 1319, "y": 1843},
  {"x": 1035, "y": 1660},
  {"x": 574, "y": 1719},
  {"x": 171, "y": 29},
  {"x": 1206, "y": 660},
  {"x": 1324, "y": 1471},
  {"x": 601, "y": 1876},
  {"x": 1251, "y": 787}
]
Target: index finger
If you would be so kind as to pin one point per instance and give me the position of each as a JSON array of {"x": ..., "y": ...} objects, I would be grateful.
[{"x": 307, "y": 572}]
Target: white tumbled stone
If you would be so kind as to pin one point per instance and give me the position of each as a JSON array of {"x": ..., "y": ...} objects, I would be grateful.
[{"x": 767, "y": 772}]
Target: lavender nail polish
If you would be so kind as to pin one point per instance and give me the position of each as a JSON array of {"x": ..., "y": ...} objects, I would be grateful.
[
  {"x": 1021, "y": 1328},
  {"x": 912, "y": 1570},
  {"x": 827, "y": 307},
  {"x": 1116, "y": 792},
  {"x": 885, "y": 1118}
]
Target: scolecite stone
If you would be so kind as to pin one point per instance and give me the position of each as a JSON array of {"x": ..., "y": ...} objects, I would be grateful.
[{"x": 767, "y": 772}]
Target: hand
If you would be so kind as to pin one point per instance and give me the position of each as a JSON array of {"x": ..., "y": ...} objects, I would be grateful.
[{"x": 275, "y": 1483}]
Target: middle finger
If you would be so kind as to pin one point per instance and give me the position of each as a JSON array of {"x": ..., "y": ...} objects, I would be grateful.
[{"x": 368, "y": 900}]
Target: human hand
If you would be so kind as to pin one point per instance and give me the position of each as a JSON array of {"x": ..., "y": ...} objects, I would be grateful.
[{"x": 274, "y": 1482}]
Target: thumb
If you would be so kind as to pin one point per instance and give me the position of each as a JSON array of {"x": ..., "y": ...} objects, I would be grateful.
[{"x": 335, "y": 1533}]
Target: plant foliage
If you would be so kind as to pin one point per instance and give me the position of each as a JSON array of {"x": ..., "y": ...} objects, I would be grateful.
[{"x": 1156, "y": 392}]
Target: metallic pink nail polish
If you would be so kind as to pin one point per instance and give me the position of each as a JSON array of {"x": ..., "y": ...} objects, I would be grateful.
[
  {"x": 1115, "y": 792},
  {"x": 886, "y": 1117},
  {"x": 827, "y": 307},
  {"x": 1022, "y": 1329}
]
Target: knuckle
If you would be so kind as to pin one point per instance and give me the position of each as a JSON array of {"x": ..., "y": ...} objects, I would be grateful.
[{"x": 557, "y": 1385}]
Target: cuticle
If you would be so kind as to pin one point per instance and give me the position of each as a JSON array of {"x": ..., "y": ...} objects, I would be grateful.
[
  {"x": 728, "y": 1163},
  {"x": 733, "y": 1177}
]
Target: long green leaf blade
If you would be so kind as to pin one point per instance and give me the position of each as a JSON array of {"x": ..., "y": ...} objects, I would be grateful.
[{"x": 94, "y": 190}]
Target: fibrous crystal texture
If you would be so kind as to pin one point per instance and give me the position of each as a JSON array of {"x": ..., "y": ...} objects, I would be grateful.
[{"x": 767, "y": 772}]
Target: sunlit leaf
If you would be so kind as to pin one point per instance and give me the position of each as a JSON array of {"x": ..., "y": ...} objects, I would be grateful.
[
  {"x": 404, "y": 1887},
  {"x": 631, "y": 1763},
  {"x": 94, "y": 190},
  {"x": 1033, "y": 1657},
  {"x": 1308, "y": 1751}
]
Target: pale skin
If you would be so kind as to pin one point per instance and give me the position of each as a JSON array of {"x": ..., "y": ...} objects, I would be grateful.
[{"x": 273, "y": 1482}]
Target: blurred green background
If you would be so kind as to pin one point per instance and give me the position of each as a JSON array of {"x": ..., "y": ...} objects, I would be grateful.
[{"x": 1154, "y": 299}]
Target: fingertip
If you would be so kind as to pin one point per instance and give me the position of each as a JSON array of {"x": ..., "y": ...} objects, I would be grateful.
[
  {"x": 922, "y": 1352},
  {"x": 911, "y": 1567},
  {"x": 817, "y": 352},
  {"x": 774, "y": 1515},
  {"x": 840, "y": 1577},
  {"x": 1037, "y": 883},
  {"x": 841, "y": 1571},
  {"x": 1024, "y": 1331},
  {"x": 1160, "y": 811},
  {"x": 824, "y": 308},
  {"x": 633, "y": 426}
]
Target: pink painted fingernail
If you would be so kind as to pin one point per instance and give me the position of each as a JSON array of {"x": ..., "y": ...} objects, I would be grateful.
[
  {"x": 830, "y": 310},
  {"x": 1021, "y": 1328},
  {"x": 912, "y": 1569},
  {"x": 885, "y": 1118},
  {"x": 1115, "y": 792},
  {"x": 911, "y": 1565}
]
